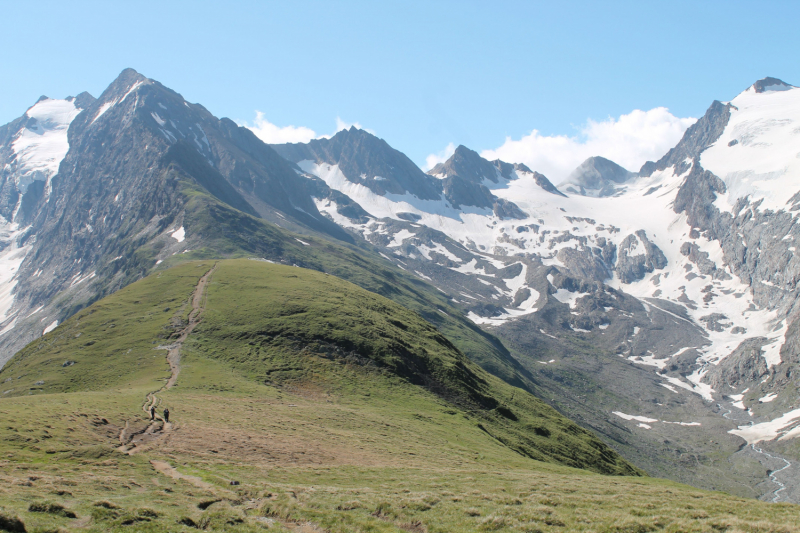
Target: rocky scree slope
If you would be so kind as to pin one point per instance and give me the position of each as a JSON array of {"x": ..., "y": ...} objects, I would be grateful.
[{"x": 656, "y": 282}]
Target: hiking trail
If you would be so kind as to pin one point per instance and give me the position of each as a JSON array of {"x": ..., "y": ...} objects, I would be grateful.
[{"x": 158, "y": 429}]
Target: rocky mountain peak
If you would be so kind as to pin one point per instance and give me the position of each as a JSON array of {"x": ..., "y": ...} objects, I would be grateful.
[
  {"x": 128, "y": 78},
  {"x": 770, "y": 84},
  {"x": 696, "y": 138},
  {"x": 467, "y": 164},
  {"x": 113, "y": 100},
  {"x": 598, "y": 176},
  {"x": 365, "y": 159},
  {"x": 83, "y": 100}
]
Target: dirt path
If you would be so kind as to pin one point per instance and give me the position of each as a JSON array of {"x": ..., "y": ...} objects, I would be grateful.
[
  {"x": 165, "y": 468},
  {"x": 157, "y": 430}
]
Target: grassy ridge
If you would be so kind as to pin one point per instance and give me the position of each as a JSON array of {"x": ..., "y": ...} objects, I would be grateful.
[
  {"x": 352, "y": 439},
  {"x": 227, "y": 232},
  {"x": 261, "y": 316},
  {"x": 111, "y": 344},
  {"x": 280, "y": 325}
]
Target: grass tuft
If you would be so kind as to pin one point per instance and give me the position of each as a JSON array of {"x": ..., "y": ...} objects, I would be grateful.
[
  {"x": 51, "y": 508},
  {"x": 11, "y": 524}
]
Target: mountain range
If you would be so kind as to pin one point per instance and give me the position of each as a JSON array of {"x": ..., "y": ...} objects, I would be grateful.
[{"x": 655, "y": 308}]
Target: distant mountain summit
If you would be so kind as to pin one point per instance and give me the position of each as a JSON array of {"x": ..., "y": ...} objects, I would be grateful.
[
  {"x": 366, "y": 160},
  {"x": 467, "y": 164},
  {"x": 31, "y": 150},
  {"x": 355, "y": 157},
  {"x": 597, "y": 176},
  {"x": 771, "y": 84}
]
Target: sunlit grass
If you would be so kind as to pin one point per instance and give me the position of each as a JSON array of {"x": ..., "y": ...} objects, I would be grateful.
[{"x": 347, "y": 441}]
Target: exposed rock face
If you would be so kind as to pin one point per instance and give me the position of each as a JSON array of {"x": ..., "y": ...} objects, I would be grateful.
[
  {"x": 770, "y": 84},
  {"x": 463, "y": 192},
  {"x": 638, "y": 256},
  {"x": 541, "y": 180},
  {"x": 587, "y": 263},
  {"x": 24, "y": 173},
  {"x": 700, "y": 258},
  {"x": 110, "y": 212},
  {"x": 471, "y": 166},
  {"x": 367, "y": 160},
  {"x": 741, "y": 369},
  {"x": 597, "y": 176},
  {"x": 697, "y": 138}
]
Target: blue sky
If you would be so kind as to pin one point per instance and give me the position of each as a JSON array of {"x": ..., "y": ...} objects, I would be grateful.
[{"x": 421, "y": 75}]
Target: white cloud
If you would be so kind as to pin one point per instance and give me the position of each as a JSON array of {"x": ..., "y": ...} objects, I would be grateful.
[
  {"x": 272, "y": 134},
  {"x": 440, "y": 157},
  {"x": 630, "y": 141}
]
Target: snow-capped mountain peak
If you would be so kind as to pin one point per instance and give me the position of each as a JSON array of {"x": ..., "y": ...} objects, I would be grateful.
[
  {"x": 677, "y": 283},
  {"x": 757, "y": 155},
  {"x": 32, "y": 148}
]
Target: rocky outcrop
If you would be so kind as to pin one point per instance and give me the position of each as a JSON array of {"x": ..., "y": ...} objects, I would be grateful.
[
  {"x": 706, "y": 266},
  {"x": 742, "y": 368},
  {"x": 463, "y": 192},
  {"x": 542, "y": 181},
  {"x": 697, "y": 138},
  {"x": 638, "y": 256},
  {"x": 587, "y": 263},
  {"x": 770, "y": 84}
]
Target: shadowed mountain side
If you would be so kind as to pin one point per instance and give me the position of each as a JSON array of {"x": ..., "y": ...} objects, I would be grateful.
[{"x": 366, "y": 160}]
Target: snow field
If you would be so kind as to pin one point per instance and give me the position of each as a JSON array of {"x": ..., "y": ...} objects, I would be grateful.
[{"x": 42, "y": 144}]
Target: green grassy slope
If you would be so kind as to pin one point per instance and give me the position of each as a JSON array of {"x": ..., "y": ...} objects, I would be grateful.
[
  {"x": 111, "y": 344},
  {"x": 227, "y": 232},
  {"x": 333, "y": 408},
  {"x": 261, "y": 316},
  {"x": 281, "y": 325}
]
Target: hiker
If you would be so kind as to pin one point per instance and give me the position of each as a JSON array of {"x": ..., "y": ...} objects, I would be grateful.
[
  {"x": 166, "y": 415},
  {"x": 152, "y": 412}
]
